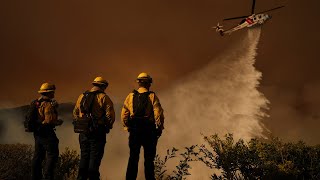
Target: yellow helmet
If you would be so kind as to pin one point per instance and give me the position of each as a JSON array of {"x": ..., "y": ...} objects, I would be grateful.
[
  {"x": 100, "y": 81},
  {"x": 144, "y": 77},
  {"x": 47, "y": 87}
]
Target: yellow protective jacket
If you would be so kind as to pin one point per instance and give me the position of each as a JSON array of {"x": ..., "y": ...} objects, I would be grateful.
[
  {"x": 48, "y": 111},
  {"x": 127, "y": 110},
  {"x": 102, "y": 108}
]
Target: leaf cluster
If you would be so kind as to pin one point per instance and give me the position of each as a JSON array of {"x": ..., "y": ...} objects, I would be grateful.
[
  {"x": 255, "y": 159},
  {"x": 16, "y": 160}
]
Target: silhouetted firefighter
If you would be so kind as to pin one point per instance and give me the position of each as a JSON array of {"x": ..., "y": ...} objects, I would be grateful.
[
  {"x": 41, "y": 119},
  {"x": 94, "y": 117},
  {"x": 142, "y": 115}
]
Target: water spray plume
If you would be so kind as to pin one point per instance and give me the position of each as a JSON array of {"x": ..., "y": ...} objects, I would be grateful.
[{"x": 222, "y": 97}]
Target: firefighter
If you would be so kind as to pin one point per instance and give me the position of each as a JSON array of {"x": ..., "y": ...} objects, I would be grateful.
[
  {"x": 46, "y": 141},
  {"x": 92, "y": 141},
  {"x": 142, "y": 116}
]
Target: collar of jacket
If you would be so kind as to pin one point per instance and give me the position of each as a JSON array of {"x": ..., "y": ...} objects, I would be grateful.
[
  {"x": 142, "y": 90},
  {"x": 96, "y": 89},
  {"x": 45, "y": 98}
]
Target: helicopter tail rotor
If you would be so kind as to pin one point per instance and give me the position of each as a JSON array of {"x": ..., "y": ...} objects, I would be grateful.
[{"x": 219, "y": 29}]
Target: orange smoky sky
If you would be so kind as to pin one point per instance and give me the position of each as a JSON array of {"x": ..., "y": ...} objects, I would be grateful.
[{"x": 71, "y": 42}]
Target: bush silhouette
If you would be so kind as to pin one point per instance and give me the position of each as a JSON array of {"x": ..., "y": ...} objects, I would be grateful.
[
  {"x": 15, "y": 160},
  {"x": 68, "y": 164},
  {"x": 255, "y": 159}
]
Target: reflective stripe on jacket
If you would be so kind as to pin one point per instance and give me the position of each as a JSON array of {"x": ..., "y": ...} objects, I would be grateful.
[{"x": 127, "y": 110}]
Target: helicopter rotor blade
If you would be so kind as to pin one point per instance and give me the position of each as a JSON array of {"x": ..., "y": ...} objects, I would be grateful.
[
  {"x": 253, "y": 6},
  {"x": 240, "y": 17},
  {"x": 271, "y": 9}
]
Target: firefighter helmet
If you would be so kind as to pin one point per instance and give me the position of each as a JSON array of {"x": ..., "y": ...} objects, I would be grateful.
[
  {"x": 144, "y": 77},
  {"x": 47, "y": 87},
  {"x": 100, "y": 81}
]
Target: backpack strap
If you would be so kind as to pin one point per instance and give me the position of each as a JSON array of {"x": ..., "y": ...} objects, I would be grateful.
[
  {"x": 36, "y": 103},
  {"x": 136, "y": 92},
  {"x": 86, "y": 103},
  {"x": 39, "y": 101}
]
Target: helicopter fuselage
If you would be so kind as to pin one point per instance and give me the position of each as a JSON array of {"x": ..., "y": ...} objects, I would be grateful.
[{"x": 255, "y": 19}]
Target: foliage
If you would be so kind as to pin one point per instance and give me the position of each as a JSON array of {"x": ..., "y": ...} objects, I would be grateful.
[
  {"x": 235, "y": 159},
  {"x": 183, "y": 166},
  {"x": 67, "y": 166},
  {"x": 160, "y": 164},
  {"x": 255, "y": 159},
  {"x": 182, "y": 169},
  {"x": 15, "y": 160}
]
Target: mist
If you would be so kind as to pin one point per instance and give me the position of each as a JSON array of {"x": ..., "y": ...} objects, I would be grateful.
[{"x": 221, "y": 97}]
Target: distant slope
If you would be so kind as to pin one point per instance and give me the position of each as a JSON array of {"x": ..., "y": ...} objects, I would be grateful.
[
  {"x": 14, "y": 117},
  {"x": 63, "y": 108},
  {"x": 11, "y": 120}
]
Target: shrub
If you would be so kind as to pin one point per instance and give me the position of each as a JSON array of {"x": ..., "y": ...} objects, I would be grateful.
[
  {"x": 15, "y": 160},
  {"x": 256, "y": 159},
  {"x": 68, "y": 164}
]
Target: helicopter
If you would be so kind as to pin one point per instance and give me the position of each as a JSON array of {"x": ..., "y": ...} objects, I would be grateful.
[{"x": 248, "y": 21}]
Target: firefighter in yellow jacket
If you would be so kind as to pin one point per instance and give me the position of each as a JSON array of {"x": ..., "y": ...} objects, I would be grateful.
[
  {"x": 142, "y": 115},
  {"x": 92, "y": 141},
  {"x": 46, "y": 141}
]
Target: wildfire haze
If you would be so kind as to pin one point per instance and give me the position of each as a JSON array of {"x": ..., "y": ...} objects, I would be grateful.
[{"x": 254, "y": 81}]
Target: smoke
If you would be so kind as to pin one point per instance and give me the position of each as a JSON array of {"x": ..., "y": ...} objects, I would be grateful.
[
  {"x": 221, "y": 97},
  {"x": 11, "y": 128},
  {"x": 116, "y": 150},
  {"x": 295, "y": 113}
]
